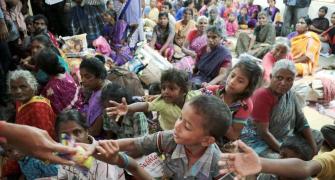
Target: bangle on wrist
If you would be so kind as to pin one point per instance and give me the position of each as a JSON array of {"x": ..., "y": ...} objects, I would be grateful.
[{"x": 125, "y": 160}]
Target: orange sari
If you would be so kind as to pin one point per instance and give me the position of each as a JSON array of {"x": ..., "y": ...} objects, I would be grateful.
[{"x": 307, "y": 44}]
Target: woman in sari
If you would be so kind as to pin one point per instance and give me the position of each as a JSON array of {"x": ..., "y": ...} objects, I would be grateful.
[
  {"x": 213, "y": 60},
  {"x": 328, "y": 38},
  {"x": 277, "y": 115},
  {"x": 215, "y": 20},
  {"x": 115, "y": 32},
  {"x": 184, "y": 26},
  {"x": 305, "y": 47},
  {"x": 61, "y": 89},
  {"x": 194, "y": 42},
  {"x": 259, "y": 43}
]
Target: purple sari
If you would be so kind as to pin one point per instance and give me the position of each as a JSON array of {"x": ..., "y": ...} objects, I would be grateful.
[{"x": 115, "y": 35}]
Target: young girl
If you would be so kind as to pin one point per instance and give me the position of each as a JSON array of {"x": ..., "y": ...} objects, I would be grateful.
[
  {"x": 130, "y": 125},
  {"x": 231, "y": 25},
  {"x": 93, "y": 78},
  {"x": 239, "y": 86},
  {"x": 243, "y": 18},
  {"x": 174, "y": 93},
  {"x": 61, "y": 89},
  {"x": 162, "y": 36},
  {"x": 73, "y": 124},
  {"x": 115, "y": 32},
  {"x": 272, "y": 9}
]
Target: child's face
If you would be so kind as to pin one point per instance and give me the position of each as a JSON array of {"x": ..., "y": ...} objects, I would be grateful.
[
  {"x": 165, "y": 8},
  {"x": 36, "y": 47},
  {"x": 163, "y": 20},
  {"x": 74, "y": 130},
  {"x": 107, "y": 18},
  {"x": 237, "y": 82},
  {"x": 88, "y": 80},
  {"x": 231, "y": 17},
  {"x": 322, "y": 13},
  {"x": 188, "y": 129},
  {"x": 171, "y": 92},
  {"x": 179, "y": 40},
  {"x": 244, "y": 11}
]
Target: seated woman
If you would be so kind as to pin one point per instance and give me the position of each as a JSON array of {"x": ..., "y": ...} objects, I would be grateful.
[
  {"x": 31, "y": 110},
  {"x": 115, "y": 33},
  {"x": 259, "y": 43},
  {"x": 194, "y": 42},
  {"x": 61, "y": 89},
  {"x": 184, "y": 26},
  {"x": 216, "y": 20},
  {"x": 162, "y": 36},
  {"x": 328, "y": 38},
  {"x": 277, "y": 114},
  {"x": 213, "y": 60},
  {"x": 280, "y": 51},
  {"x": 93, "y": 78},
  {"x": 305, "y": 47}
]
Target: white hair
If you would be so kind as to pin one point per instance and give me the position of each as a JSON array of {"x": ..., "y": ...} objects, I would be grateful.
[
  {"x": 200, "y": 18},
  {"x": 284, "y": 64},
  {"x": 24, "y": 74},
  {"x": 282, "y": 42}
]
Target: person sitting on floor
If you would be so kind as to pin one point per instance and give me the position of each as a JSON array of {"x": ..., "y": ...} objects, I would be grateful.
[{"x": 320, "y": 24}]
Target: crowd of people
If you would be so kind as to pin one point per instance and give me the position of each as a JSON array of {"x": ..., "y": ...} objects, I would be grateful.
[{"x": 187, "y": 119}]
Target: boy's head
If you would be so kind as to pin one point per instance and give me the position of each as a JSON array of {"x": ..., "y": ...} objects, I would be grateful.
[
  {"x": 204, "y": 119},
  {"x": 323, "y": 11},
  {"x": 167, "y": 7},
  {"x": 296, "y": 147},
  {"x": 272, "y": 3},
  {"x": 174, "y": 85},
  {"x": 114, "y": 92}
]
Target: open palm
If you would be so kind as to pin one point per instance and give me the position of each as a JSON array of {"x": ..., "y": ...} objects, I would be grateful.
[{"x": 117, "y": 108}]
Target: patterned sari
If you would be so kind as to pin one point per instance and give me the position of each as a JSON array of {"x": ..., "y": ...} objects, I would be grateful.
[
  {"x": 187, "y": 63},
  {"x": 330, "y": 34},
  {"x": 307, "y": 44},
  {"x": 63, "y": 93}
]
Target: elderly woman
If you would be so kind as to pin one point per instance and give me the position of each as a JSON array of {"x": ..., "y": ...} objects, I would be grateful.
[
  {"x": 305, "y": 47},
  {"x": 194, "y": 42},
  {"x": 277, "y": 115},
  {"x": 31, "y": 110},
  {"x": 281, "y": 50},
  {"x": 213, "y": 60},
  {"x": 184, "y": 26},
  {"x": 259, "y": 43}
]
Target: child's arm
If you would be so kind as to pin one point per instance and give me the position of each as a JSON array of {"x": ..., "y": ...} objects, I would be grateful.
[
  {"x": 123, "y": 108},
  {"x": 108, "y": 151}
]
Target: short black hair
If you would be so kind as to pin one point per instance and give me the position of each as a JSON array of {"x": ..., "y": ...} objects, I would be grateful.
[
  {"x": 307, "y": 20},
  {"x": 45, "y": 40},
  {"x": 154, "y": 88},
  {"x": 181, "y": 78},
  {"x": 216, "y": 115},
  {"x": 325, "y": 8},
  {"x": 166, "y": 3},
  {"x": 47, "y": 61},
  {"x": 299, "y": 145},
  {"x": 29, "y": 19},
  {"x": 41, "y": 16},
  {"x": 115, "y": 92},
  {"x": 94, "y": 66},
  {"x": 187, "y": 3},
  {"x": 68, "y": 116},
  {"x": 188, "y": 9},
  {"x": 162, "y": 14}
]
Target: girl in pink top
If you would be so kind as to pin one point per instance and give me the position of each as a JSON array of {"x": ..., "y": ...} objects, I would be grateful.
[{"x": 231, "y": 25}]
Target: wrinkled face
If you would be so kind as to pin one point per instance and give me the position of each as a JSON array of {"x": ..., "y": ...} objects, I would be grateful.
[
  {"x": 36, "y": 47},
  {"x": 171, "y": 92},
  {"x": 279, "y": 52},
  {"x": 202, "y": 25},
  {"x": 40, "y": 26},
  {"x": 237, "y": 82},
  {"x": 332, "y": 19},
  {"x": 322, "y": 13},
  {"x": 188, "y": 129},
  {"x": 282, "y": 81},
  {"x": 89, "y": 80},
  {"x": 163, "y": 21},
  {"x": 262, "y": 20},
  {"x": 21, "y": 90},
  {"x": 187, "y": 15},
  {"x": 213, "y": 39},
  {"x": 74, "y": 130},
  {"x": 301, "y": 26}
]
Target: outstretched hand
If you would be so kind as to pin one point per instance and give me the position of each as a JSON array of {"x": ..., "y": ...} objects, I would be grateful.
[
  {"x": 117, "y": 108},
  {"x": 108, "y": 151},
  {"x": 35, "y": 142},
  {"x": 244, "y": 163}
]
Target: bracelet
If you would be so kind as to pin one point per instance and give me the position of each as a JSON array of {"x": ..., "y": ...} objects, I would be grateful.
[{"x": 125, "y": 159}]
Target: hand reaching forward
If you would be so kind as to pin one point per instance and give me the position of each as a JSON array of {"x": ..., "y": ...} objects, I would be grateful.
[
  {"x": 242, "y": 164},
  {"x": 108, "y": 151},
  {"x": 117, "y": 108}
]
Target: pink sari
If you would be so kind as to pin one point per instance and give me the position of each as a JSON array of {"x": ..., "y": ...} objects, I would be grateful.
[{"x": 187, "y": 63}]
